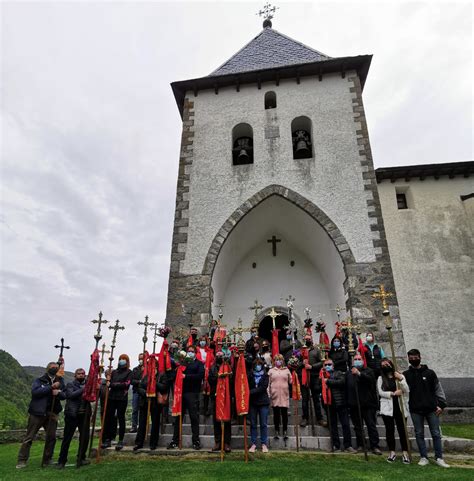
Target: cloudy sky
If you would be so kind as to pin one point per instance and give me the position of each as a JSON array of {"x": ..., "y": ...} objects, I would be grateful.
[{"x": 90, "y": 138}]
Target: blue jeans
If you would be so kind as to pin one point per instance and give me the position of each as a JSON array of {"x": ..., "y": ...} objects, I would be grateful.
[
  {"x": 135, "y": 409},
  {"x": 433, "y": 423},
  {"x": 261, "y": 411}
]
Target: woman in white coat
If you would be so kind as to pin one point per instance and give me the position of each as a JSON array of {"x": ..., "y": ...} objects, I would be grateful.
[{"x": 390, "y": 397}]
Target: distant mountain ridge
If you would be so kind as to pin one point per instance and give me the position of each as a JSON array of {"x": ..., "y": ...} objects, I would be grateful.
[{"x": 38, "y": 371}]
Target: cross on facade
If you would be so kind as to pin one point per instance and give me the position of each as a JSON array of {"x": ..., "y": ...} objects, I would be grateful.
[
  {"x": 383, "y": 295},
  {"x": 61, "y": 348},
  {"x": 99, "y": 322},
  {"x": 274, "y": 242}
]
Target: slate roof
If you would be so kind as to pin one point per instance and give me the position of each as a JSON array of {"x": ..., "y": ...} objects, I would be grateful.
[{"x": 269, "y": 49}]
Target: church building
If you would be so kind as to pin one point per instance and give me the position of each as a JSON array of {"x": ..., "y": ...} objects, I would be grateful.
[{"x": 277, "y": 198}]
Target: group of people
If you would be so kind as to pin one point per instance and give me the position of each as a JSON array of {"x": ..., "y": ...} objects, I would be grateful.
[{"x": 335, "y": 388}]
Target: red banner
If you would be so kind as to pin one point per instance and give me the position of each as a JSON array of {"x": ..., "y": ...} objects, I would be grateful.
[
  {"x": 90, "y": 389},
  {"x": 151, "y": 368},
  {"x": 324, "y": 341},
  {"x": 242, "y": 394},
  {"x": 305, "y": 372},
  {"x": 207, "y": 365},
  {"x": 275, "y": 342},
  {"x": 223, "y": 393},
  {"x": 362, "y": 350},
  {"x": 326, "y": 392},
  {"x": 164, "y": 361},
  {"x": 295, "y": 386},
  {"x": 178, "y": 392}
]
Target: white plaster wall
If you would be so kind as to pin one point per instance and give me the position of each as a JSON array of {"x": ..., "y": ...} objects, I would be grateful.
[
  {"x": 432, "y": 254},
  {"x": 332, "y": 179}
]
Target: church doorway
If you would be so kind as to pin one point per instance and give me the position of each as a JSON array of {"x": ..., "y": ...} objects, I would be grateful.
[{"x": 266, "y": 326}]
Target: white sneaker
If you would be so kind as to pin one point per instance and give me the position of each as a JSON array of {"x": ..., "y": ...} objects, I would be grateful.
[
  {"x": 441, "y": 462},
  {"x": 423, "y": 462},
  {"x": 253, "y": 448},
  {"x": 265, "y": 449},
  {"x": 21, "y": 465}
]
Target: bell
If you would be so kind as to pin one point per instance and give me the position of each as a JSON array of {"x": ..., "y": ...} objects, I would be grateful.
[
  {"x": 242, "y": 147},
  {"x": 243, "y": 157},
  {"x": 302, "y": 147}
]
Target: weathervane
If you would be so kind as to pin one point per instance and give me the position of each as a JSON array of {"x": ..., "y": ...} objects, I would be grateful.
[{"x": 267, "y": 13}]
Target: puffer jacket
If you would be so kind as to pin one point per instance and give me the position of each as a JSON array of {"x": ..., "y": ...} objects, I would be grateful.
[
  {"x": 74, "y": 390},
  {"x": 119, "y": 384},
  {"x": 337, "y": 384}
]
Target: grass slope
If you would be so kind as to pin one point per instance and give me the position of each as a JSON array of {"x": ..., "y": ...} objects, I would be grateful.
[
  {"x": 274, "y": 466},
  {"x": 458, "y": 430}
]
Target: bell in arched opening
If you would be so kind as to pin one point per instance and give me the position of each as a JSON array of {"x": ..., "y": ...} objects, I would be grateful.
[
  {"x": 301, "y": 144},
  {"x": 243, "y": 151}
]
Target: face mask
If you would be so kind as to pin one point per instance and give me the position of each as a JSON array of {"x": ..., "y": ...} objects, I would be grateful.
[
  {"x": 258, "y": 367},
  {"x": 253, "y": 334},
  {"x": 190, "y": 355},
  {"x": 308, "y": 343},
  {"x": 289, "y": 337},
  {"x": 370, "y": 339},
  {"x": 278, "y": 363},
  {"x": 387, "y": 369},
  {"x": 140, "y": 362},
  {"x": 329, "y": 368},
  {"x": 358, "y": 363},
  {"x": 52, "y": 371},
  {"x": 202, "y": 343},
  {"x": 265, "y": 348},
  {"x": 415, "y": 362},
  {"x": 122, "y": 363},
  {"x": 336, "y": 344}
]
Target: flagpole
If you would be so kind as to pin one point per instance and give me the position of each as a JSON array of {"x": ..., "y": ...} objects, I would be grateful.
[
  {"x": 180, "y": 444},
  {"x": 222, "y": 441}
]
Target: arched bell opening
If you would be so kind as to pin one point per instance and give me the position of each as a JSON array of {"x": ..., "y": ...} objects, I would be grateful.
[
  {"x": 301, "y": 134},
  {"x": 242, "y": 144},
  {"x": 270, "y": 100}
]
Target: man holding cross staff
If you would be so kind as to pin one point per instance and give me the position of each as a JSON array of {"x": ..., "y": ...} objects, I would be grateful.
[{"x": 46, "y": 394}]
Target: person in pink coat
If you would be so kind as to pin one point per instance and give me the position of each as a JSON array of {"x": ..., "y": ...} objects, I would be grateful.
[{"x": 279, "y": 392}]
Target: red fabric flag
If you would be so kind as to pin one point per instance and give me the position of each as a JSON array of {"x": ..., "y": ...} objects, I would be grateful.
[
  {"x": 305, "y": 372},
  {"x": 326, "y": 392},
  {"x": 223, "y": 394},
  {"x": 242, "y": 394},
  {"x": 362, "y": 350},
  {"x": 219, "y": 335},
  {"x": 275, "y": 342},
  {"x": 177, "y": 408},
  {"x": 324, "y": 341},
  {"x": 207, "y": 365},
  {"x": 145, "y": 363},
  {"x": 295, "y": 386},
  {"x": 151, "y": 368},
  {"x": 90, "y": 389},
  {"x": 338, "y": 329},
  {"x": 164, "y": 361}
]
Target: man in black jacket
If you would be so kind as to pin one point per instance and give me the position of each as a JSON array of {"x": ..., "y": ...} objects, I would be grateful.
[
  {"x": 47, "y": 392},
  {"x": 363, "y": 379},
  {"x": 193, "y": 377},
  {"x": 427, "y": 401},
  {"x": 137, "y": 374},
  {"x": 74, "y": 414}
]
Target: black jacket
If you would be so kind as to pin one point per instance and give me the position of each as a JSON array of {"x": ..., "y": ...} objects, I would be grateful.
[
  {"x": 337, "y": 384},
  {"x": 259, "y": 394},
  {"x": 162, "y": 386},
  {"x": 119, "y": 384},
  {"x": 42, "y": 396},
  {"x": 74, "y": 390},
  {"x": 426, "y": 393},
  {"x": 193, "y": 376},
  {"x": 286, "y": 348},
  {"x": 366, "y": 386},
  {"x": 136, "y": 377},
  {"x": 374, "y": 358},
  {"x": 340, "y": 358}
]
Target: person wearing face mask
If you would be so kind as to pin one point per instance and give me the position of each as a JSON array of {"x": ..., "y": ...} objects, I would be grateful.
[
  {"x": 391, "y": 396},
  {"x": 192, "y": 339},
  {"x": 193, "y": 377},
  {"x": 286, "y": 345},
  {"x": 334, "y": 401},
  {"x": 206, "y": 355},
  {"x": 427, "y": 401},
  {"x": 137, "y": 374},
  {"x": 279, "y": 380},
  {"x": 373, "y": 354},
  {"x": 362, "y": 379},
  {"x": 339, "y": 355},
  {"x": 74, "y": 418},
  {"x": 251, "y": 341},
  {"x": 119, "y": 383},
  {"x": 266, "y": 354},
  {"x": 259, "y": 404},
  {"x": 47, "y": 392}
]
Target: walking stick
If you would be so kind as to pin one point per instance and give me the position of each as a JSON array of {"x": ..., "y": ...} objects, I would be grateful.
[
  {"x": 222, "y": 441},
  {"x": 180, "y": 443},
  {"x": 115, "y": 328},
  {"x": 246, "y": 446},
  {"x": 328, "y": 415},
  {"x": 383, "y": 294},
  {"x": 297, "y": 427},
  {"x": 311, "y": 410}
]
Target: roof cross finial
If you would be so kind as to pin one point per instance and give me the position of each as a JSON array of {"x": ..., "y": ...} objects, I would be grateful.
[{"x": 267, "y": 12}]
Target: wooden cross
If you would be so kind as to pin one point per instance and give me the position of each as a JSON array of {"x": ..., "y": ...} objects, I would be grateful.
[
  {"x": 145, "y": 330},
  {"x": 273, "y": 314},
  {"x": 99, "y": 322},
  {"x": 274, "y": 242},
  {"x": 61, "y": 348},
  {"x": 383, "y": 295}
]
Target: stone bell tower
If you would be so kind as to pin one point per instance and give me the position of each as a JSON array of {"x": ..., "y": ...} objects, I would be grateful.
[{"x": 276, "y": 190}]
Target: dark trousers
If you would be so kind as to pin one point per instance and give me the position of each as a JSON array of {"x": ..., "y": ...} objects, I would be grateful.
[
  {"x": 155, "y": 414},
  {"x": 191, "y": 405},
  {"x": 370, "y": 419},
  {"x": 81, "y": 422},
  {"x": 49, "y": 423},
  {"x": 135, "y": 409},
  {"x": 115, "y": 412},
  {"x": 315, "y": 394},
  {"x": 340, "y": 412},
  {"x": 280, "y": 414},
  {"x": 390, "y": 422}
]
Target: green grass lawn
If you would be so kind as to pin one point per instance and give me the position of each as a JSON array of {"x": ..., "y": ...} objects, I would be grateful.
[
  {"x": 458, "y": 430},
  {"x": 197, "y": 466}
]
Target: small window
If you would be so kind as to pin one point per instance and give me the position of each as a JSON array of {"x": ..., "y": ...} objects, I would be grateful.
[
  {"x": 404, "y": 197},
  {"x": 242, "y": 144},
  {"x": 301, "y": 137},
  {"x": 270, "y": 100},
  {"x": 402, "y": 201}
]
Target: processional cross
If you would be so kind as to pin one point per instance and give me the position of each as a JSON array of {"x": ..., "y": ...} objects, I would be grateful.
[
  {"x": 256, "y": 307},
  {"x": 116, "y": 327},
  {"x": 103, "y": 352},
  {"x": 98, "y": 334},
  {"x": 383, "y": 295},
  {"x": 61, "y": 348},
  {"x": 145, "y": 331}
]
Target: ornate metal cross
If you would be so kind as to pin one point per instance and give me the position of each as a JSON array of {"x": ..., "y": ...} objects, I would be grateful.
[
  {"x": 274, "y": 242},
  {"x": 155, "y": 335},
  {"x": 61, "y": 348},
  {"x": 103, "y": 352},
  {"x": 383, "y": 295},
  {"x": 307, "y": 311},
  {"x": 116, "y": 327},
  {"x": 273, "y": 314},
  {"x": 239, "y": 329},
  {"x": 256, "y": 307},
  {"x": 145, "y": 330},
  {"x": 99, "y": 322},
  {"x": 338, "y": 310}
]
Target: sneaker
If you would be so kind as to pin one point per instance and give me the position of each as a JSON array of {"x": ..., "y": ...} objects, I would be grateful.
[
  {"x": 277, "y": 435},
  {"x": 119, "y": 446},
  {"x": 285, "y": 436},
  {"x": 172, "y": 445},
  {"x": 391, "y": 458},
  {"x": 264, "y": 448},
  {"x": 253, "y": 448},
  {"x": 350, "y": 450},
  {"x": 216, "y": 448},
  {"x": 323, "y": 423},
  {"x": 423, "y": 462},
  {"x": 406, "y": 459},
  {"x": 106, "y": 444},
  {"x": 133, "y": 429},
  {"x": 21, "y": 465},
  {"x": 137, "y": 447},
  {"x": 377, "y": 451},
  {"x": 83, "y": 462},
  {"x": 227, "y": 448},
  {"x": 441, "y": 462},
  {"x": 304, "y": 423},
  {"x": 197, "y": 445}
]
